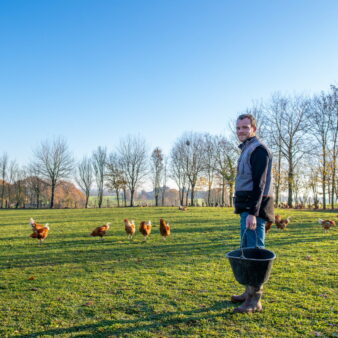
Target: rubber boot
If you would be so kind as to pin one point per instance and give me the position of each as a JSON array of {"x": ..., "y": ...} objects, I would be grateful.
[
  {"x": 240, "y": 298},
  {"x": 253, "y": 300}
]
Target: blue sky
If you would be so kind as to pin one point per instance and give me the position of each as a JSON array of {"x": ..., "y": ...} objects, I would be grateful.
[{"x": 95, "y": 71}]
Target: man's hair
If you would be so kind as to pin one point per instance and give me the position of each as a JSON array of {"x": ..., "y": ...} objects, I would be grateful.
[{"x": 250, "y": 117}]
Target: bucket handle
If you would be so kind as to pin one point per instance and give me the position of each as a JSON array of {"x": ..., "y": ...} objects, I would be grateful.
[{"x": 244, "y": 233}]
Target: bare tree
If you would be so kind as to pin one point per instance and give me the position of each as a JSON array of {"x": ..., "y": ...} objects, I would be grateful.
[
  {"x": 3, "y": 175},
  {"x": 115, "y": 176},
  {"x": 54, "y": 162},
  {"x": 99, "y": 161},
  {"x": 124, "y": 189},
  {"x": 85, "y": 177},
  {"x": 12, "y": 175},
  {"x": 313, "y": 183},
  {"x": 35, "y": 184},
  {"x": 164, "y": 181},
  {"x": 290, "y": 124},
  {"x": 192, "y": 148},
  {"x": 226, "y": 154},
  {"x": 157, "y": 172},
  {"x": 20, "y": 188},
  {"x": 274, "y": 115},
  {"x": 133, "y": 158},
  {"x": 210, "y": 162},
  {"x": 178, "y": 173},
  {"x": 322, "y": 121},
  {"x": 333, "y": 103}
]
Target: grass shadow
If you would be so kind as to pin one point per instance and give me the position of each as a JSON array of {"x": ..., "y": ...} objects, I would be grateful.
[{"x": 145, "y": 323}]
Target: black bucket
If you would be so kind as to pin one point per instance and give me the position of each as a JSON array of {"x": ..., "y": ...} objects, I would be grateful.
[{"x": 251, "y": 266}]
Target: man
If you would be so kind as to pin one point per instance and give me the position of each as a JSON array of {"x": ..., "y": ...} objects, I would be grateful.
[{"x": 253, "y": 199}]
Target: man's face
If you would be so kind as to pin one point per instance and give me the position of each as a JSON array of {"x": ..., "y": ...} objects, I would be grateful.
[{"x": 244, "y": 129}]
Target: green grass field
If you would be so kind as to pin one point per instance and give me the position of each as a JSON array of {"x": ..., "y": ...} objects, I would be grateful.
[{"x": 74, "y": 285}]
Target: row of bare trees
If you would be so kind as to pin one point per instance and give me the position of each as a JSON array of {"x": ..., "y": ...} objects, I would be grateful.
[
  {"x": 36, "y": 183},
  {"x": 301, "y": 131},
  {"x": 204, "y": 159},
  {"x": 118, "y": 171}
]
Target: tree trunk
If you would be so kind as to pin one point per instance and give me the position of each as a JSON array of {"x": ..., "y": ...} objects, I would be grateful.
[
  {"x": 117, "y": 197},
  {"x": 100, "y": 199},
  {"x": 328, "y": 191},
  {"x": 333, "y": 183},
  {"x": 290, "y": 187},
  {"x": 182, "y": 197},
  {"x": 2, "y": 193},
  {"x": 192, "y": 194},
  {"x": 278, "y": 176},
  {"x": 208, "y": 199},
  {"x": 231, "y": 193},
  {"x": 324, "y": 178},
  {"x": 156, "y": 197},
  {"x": 9, "y": 197},
  {"x": 37, "y": 200},
  {"x": 132, "y": 197},
  {"x": 333, "y": 188},
  {"x": 277, "y": 195},
  {"x": 125, "y": 197},
  {"x": 52, "y": 196},
  {"x": 163, "y": 196},
  {"x": 223, "y": 189}
]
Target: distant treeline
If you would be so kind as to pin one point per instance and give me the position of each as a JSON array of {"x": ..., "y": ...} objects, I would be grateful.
[{"x": 301, "y": 132}]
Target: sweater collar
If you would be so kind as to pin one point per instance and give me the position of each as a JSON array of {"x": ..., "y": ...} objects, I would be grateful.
[{"x": 247, "y": 141}]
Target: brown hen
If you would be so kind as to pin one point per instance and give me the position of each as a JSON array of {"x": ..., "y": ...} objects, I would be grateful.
[
  {"x": 129, "y": 227},
  {"x": 100, "y": 231},
  {"x": 164, "y": 228},
  {"x": 145, "y": 229}
]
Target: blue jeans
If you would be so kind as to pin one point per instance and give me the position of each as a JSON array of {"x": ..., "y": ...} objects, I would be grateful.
[{"x": 250, "y": 240}]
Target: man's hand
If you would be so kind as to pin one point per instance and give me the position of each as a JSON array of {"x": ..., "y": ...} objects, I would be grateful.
[{"x": 251, "y": 222}]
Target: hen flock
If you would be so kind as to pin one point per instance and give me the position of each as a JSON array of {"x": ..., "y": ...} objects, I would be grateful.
[
  {"x": 41, "y": 231},
  {"x": 282, "y": 223}
]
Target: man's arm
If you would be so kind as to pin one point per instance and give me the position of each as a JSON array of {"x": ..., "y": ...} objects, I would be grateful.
[{"x": 259, "y": 163}]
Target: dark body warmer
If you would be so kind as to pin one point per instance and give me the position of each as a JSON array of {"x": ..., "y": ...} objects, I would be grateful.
[{"x": 253, "y": 190}]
